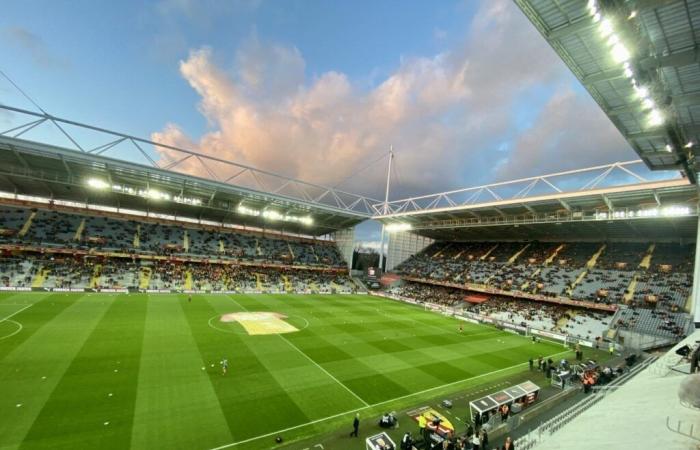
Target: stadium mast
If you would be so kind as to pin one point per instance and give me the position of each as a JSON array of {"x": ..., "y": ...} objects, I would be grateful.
[{"x": 385, "y": 209}]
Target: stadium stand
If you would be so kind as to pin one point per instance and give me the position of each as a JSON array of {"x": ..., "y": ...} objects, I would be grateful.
[
  {"x": 649, "y": 283},
  {"x": 63, "y": 229},
  {"x": 56, "y": 249}
]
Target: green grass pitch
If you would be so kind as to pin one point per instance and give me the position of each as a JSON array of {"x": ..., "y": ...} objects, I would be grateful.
[{"x": 135, "y": 371}]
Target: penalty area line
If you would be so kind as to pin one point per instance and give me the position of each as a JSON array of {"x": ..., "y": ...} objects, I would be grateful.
[{"x": 323, "y": 419}]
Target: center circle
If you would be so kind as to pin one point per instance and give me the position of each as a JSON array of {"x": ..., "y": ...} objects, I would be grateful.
[{"x": 17, "y": 324}]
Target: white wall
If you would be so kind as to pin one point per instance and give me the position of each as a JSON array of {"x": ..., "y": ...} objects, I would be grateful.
[{"x": 403, "y": 245}]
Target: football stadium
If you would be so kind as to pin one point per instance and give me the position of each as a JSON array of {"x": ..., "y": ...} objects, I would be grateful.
[{"x": 194, "y": 302}]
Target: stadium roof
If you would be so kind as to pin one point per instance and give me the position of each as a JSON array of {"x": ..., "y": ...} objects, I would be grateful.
[
  {"x": 35, "y": 169},
  {"x": 559, "y": 206},
  {"x": 640, "y": 61}
]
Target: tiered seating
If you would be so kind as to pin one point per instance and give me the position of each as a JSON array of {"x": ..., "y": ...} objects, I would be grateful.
[
  {"x": 603, "y": 286},
  {"x": 556, "y": 280},
  {"x": 668, "y": 289},
  {"x": 68, "y": 272},
  {"x": 587, "y": 325},
  {"x": 54, "y": 228},
  {"x": 12, "y": 220},
  {"x": 102, "y": 232},
  {"x": 51, "y": 227},
  {"x": 431, "y": 294},
  {"x": 160, "y": 239},
  {"x": 651, "y": 322},
  {"x": 622, "y": 256},
  {"x": 16, "y": 272}
]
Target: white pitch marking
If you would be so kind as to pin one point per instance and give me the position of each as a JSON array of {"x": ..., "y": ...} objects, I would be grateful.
[
  {"x": 312, "y": 361},
  {"x": 313, "y": 422},
  {"x": 15, "y": 313}
]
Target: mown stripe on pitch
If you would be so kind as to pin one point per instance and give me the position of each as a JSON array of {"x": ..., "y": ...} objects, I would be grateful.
[
  {"x": 389, "y": 355},
  {"x": 47, "y": 353},
  {"x": 308, "y": 389},
  {"x": 371, "y": 387},
  {"x": 45, "y": 306},
  {"x": 75, "y": 414},
  {"x": 176, "y": 406},
  {"x": 249, "y": 395}
]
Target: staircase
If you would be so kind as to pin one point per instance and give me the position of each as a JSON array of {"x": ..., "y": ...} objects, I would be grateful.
[
  {"x": 517, "y": 255},
  {"x": 186, "y": 241},
  {"x": 137, "y": 237},
  {"x": 485, "y": 255},
  {"x": 287, "y": 285},
  {"x": 26, "y": 225},
  {"x": 79, "y": 232},
  {"x": 188, "y": 280},
  {"x": 594, "y": 259},
  {"x": 291, "y": 252},
  {"x": 629, "y": 295},
  {"x": 40, "y": 277},
  {"x": 222, "y": 249},
  {"x": 439, "y": 252},
  {"x": 646, "y": 261},
  {"x": 145, "y": 277},
  {"x": 95, "y": 280},
  {"x": 551, "y": 258}
]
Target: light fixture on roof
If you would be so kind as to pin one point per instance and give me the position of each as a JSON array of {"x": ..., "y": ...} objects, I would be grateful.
[
  {"x": 605, "y": 27},
  {"x": 396, "y": 227},
  {"x": 628, "y": 72},
  {"x": 642, "y": 91},
  {"x": 668, "y": 148},
  {"x": 655, "y": 117},
  {"x": 613, "y": 39},
  {"x": 97, "y": 183},
  {"x": 596, "y": 17},
  {"x": 632, "y": 15},
  {"x": 689, "y": 144},
  {"x": 648, "y": 103},
  {"x": 620, "y": 53}
]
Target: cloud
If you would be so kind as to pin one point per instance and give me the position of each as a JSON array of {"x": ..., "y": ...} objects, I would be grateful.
[
  {"x": 569, "y": 126},
  {"x": 449, "y": 116},
  {"x": 35, "y": 47}
]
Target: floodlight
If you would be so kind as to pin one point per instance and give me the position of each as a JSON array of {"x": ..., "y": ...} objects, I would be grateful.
[
  {"x": 97, "y": 183},
  {"x": 668, "y": 148},
  {"x": 648, "y": 103},
  {"x": 157, "y": 195},
  {"x": 396, "y": 227},
  {"x": 596, "y": 17},
  {"x": 629, "y": 73},
  {"x": 655, "y": 117},
  {"x": 613, "y": 40},
  {"x": 606, "y": 27},
  {"x": 632, "y": 15},
  {"x": 642, "y": 91},
  {"x": 689, "y": 144},
  {"x": 620, "y": 53}
]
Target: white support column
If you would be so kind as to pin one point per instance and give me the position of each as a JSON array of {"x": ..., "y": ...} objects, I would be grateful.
[
  {"x": 695, "y": 307},
  {"x": 402, "y": 245},
  {"x": 345, "y": 240}
]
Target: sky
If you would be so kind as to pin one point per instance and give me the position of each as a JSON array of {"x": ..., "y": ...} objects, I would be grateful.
[{"x": 467, "y": 92}]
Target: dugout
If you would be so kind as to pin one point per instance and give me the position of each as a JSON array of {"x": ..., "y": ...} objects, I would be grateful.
[{"x": 517, "y": 397}]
